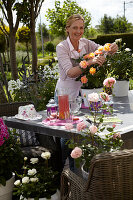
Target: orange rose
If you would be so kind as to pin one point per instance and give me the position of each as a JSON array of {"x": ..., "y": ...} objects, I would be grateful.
[
  {"x": 107, "y": 47},
  {"x": 97, "y": 52},
  {"x": 84, "y": 79},
  {"x": 79, "y": 50},
  {"x": 83, "y": 64},
  {"x": 88, "y": 56},
  {"x": 92, "y": 70},
  {"x": 100, "y": 48}
]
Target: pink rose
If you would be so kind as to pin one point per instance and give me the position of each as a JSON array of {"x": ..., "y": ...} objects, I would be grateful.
[
  {"x": 81, "y": 126},
  {"x": 104, "y": 96},
  {"x": 76, "y": 152},
  {"x": 114, "y": 125},
  {"x": 109, "y": 82},
  {"x": 94, "y": 97},
  {"x": 68, "y": 126},
  {"x": 116, "y": 135},
  {"x": 93, "y": 129}
]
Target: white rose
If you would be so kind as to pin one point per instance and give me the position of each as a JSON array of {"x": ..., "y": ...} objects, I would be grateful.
[
  {"x": 34, "y": 179},
  {"x": 34, "y": 160},
  {"x": 46, "y": 155},
  {"x": 32, "y": 171},
  {"x": 118, "y": 40},
  {"x": 127, "y": 49},
  {"x": 25, "y": 158},
  {"x": 25, "y": 179},
  {"x": 17, "y": 182}
]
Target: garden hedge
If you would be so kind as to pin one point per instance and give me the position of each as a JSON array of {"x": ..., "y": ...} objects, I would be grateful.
[{"x": 109, "y": 38}]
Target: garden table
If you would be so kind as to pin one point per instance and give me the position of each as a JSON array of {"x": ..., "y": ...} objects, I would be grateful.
[{"x": 123, "y": 109}]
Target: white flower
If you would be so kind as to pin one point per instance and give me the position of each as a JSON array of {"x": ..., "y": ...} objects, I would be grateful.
[
  {"x": 25, "y": 158},
  {"x": 94, "y": 97},
  {"x": 46, "y": 155},
  {"x": 34, "y": 179},
  {"x": 32, "y": 171},
  {"x": 17, "y": 182},
  {"x": 132, "y": 54},
  {"x": 25, "y": 179},
  {"x": 127, "y": 49},
  {"x": 34, "y": 160},
  {"x": 118, "y": 40}
]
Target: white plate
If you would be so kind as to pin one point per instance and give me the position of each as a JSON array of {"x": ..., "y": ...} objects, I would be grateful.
[{"x": 23, "y": 118}]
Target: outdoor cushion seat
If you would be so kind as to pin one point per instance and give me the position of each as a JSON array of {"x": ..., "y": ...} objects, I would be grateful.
[{"x": 110, "y": 177}]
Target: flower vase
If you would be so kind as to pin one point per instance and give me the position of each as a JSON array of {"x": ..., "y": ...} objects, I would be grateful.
[
  {"x": 85, "y": 93},
  {"x": 85, "y": 174},
  {"x": 55, "y": 196},
  {"x": 6, "y": 191}
]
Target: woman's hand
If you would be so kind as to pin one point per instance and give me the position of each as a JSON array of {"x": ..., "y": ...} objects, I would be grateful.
[
  {"x": 114, "y": 48},
  {"x": 97, "y": 60}
]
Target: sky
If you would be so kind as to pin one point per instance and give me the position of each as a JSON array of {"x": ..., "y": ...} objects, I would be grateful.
[{"x": 97, "y": 9}]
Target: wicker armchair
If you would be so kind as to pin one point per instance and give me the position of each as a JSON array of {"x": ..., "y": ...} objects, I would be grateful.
[{"x": 110, "y": 177}]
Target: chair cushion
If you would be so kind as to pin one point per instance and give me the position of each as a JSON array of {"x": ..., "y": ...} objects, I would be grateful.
[{"x": 27, "y": 138}]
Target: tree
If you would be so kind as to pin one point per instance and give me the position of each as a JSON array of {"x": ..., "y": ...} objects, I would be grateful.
[
  {"x": 7, "y": 8},
  {"x": 57, "y": 17},
  {"x": 114, "y": 25},
  {"x": 28, "y": 16},
  {"x": 106, "y": 24},
  {"x": 121, "y": 25},
  {"x": 45, "y": 32},
  {"x": 24, "y": 36}
]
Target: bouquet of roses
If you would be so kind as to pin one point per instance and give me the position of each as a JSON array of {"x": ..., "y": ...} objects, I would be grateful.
[{"x": 93, "y": 77}]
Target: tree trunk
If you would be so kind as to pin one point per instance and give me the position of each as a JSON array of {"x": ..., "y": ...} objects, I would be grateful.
[
  {"x": 5, "y": 79},
  {"x": 27, "y": 49},
  {"x": 33, "y": 41},
  {"x": 13, "y": 56},
  {"x": 3, "y": 98}
]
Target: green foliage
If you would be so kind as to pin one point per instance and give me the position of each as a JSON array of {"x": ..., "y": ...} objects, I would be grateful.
[
  {"x": 121, "y": 63},
  {"x": 57, "y": 17},
  {"x": 39, "y": 91},
  {"x": 126, "y": 38},
  {"x": 96, "y": 138},
  {"x": 38, "y": 179},
  {"x": 2, "y": 42},
  {"x": 49, "y": 46},
  {"x": 45, "y": 32},
  {"x": 10, "y": 157},
  {"x": 24, "y": 35},
  {"x": 115, "y": 25}
]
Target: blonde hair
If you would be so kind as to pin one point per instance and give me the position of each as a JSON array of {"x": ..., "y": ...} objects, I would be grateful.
[{"x": 72, "y": 19}]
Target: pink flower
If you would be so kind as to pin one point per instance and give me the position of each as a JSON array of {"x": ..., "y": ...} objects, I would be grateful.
[
  {"x": 114, "y": 125},
  {"x": 81, "y": 126},
  {"x": 76, "y": 152},
  {"x": 3, "y": 132},
  {"x": 93, "y": 97},
  {"x": 109, "y": 82},
  {"x": 116, "y": 135},
  {"x": 68, "y": 126},
  {"x": 104, "y": 96},
  {"x": 93, "y": 129},
  {"x": 83, "y": 64}
]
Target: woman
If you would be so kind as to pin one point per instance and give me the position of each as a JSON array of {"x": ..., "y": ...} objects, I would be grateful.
[{"x": 72, "y": 48}]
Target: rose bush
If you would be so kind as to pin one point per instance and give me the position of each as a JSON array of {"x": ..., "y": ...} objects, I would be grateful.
[
  {"x": 38, "y": 179},
  {"x": 96, "y": 137}
]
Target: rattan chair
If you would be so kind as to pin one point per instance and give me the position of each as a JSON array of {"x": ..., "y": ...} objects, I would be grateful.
[{"x": 110, "y": 178}]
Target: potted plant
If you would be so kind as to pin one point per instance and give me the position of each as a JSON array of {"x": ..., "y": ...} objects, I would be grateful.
[
  {"x": 93, "y": 77},
  {"x": 96, "y": 138},
  {"x": 38, "y": 180},
  {"x": 121, "y": 68},
  {"x": 10, "y": 160}
]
